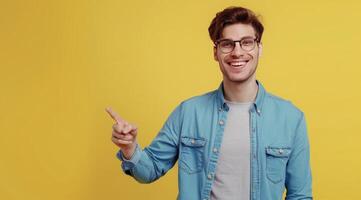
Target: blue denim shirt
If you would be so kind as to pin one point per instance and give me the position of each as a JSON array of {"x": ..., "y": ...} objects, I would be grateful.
[{"x": 193, "y": 135}]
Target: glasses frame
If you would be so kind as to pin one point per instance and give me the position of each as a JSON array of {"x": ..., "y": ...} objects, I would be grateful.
[{"x": 234, "y": 44}]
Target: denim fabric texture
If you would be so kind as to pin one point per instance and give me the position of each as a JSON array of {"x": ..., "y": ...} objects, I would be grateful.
[{"x": 192, "y": 135}]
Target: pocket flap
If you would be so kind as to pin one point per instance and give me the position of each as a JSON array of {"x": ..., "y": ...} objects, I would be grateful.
[
  {"x": 193, "y": 142},
  {"x": 278, "y": 152}
]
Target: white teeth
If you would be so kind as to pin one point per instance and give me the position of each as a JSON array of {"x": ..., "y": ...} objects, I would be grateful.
[{"x": 239, "y": 63}]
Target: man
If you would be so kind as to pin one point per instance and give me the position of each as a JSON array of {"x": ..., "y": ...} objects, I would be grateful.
[{"x": 237, "y": 142}]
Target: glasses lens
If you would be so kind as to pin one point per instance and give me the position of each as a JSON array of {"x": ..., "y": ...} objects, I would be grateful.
[
  {"x": 226, "y": 46},
  {"x": 248, "y": 44}
]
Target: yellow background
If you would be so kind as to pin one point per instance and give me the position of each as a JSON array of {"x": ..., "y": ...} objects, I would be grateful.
[{"x": 63, "y": 62}]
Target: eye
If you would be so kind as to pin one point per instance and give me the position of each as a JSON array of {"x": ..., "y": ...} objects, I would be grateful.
[
  {"x": 247, "y": 42},
  {"x": 226, "y": 44}
]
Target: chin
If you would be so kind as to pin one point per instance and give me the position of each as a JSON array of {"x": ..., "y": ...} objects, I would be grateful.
[{"x": 239, "y": 79}]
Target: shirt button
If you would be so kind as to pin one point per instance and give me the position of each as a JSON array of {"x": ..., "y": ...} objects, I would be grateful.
[
  {"x": 209, "y": 176},
  {"x": 193, "y": 141},
  {"x": 215, "y": 150},
  {"x": 280, "y": 151},
  {"x": 221, "y": 122},
  {"x": 258, "y": 111}
]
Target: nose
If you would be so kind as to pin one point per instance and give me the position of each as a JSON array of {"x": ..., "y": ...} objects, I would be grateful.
[{"x": 237, "y": 51}]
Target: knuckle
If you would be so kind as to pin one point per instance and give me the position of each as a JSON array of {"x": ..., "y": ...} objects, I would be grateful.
[
  {"x": 118, "y": 129},
  {"x": 115, "y": 127}
]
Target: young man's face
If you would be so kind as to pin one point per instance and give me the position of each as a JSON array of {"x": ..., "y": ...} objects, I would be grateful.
[{"x": 239, "y": 65}]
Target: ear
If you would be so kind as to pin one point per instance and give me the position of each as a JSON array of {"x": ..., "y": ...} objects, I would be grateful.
[
  {"x": 215, "y": 53},
  {"x": 260, "y": 49}
]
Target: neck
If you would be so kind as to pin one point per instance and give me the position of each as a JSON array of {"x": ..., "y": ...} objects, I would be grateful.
[{"x": 240, "y": 91}]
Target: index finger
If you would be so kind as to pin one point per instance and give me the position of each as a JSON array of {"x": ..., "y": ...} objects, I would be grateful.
[{"x": 114, "y": 115}]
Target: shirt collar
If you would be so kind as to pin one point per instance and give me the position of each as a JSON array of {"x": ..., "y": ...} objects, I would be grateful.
[{"x": 257, "y": 103}]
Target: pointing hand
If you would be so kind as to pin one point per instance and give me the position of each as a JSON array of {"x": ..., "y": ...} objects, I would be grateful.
[{"x": 123, "y": 134}]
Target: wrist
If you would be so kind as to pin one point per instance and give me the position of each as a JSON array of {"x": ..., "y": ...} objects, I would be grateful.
[{"x": 128, "y": 152}]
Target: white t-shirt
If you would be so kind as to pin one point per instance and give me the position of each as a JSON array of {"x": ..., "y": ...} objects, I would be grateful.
[{"x": 232, "y": 178}]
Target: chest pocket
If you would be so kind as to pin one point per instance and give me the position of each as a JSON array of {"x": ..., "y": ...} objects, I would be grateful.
[
  {"x": 192, "y": 154},
  {"x": 276, "y": 161}
]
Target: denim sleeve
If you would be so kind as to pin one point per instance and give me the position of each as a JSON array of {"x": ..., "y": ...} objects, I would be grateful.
[
  {"x": 298, "y": 173},
  {"x": 155, "y": 160}
]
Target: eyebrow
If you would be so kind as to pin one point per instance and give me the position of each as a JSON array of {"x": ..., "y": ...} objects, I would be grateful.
[{"x": 245, "y": 37}]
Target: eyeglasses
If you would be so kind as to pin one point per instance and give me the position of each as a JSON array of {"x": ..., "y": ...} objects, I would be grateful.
[{"x": 228, "y": 45}]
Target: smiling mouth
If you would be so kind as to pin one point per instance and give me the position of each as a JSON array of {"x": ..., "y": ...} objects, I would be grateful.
[{"x": 238, "y": 63}]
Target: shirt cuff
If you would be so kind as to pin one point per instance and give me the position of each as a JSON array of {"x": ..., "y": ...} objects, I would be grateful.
[{"x": 129, "y": 164}]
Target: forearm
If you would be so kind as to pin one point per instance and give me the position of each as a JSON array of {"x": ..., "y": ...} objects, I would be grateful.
[
  {"x": 143, "y": 166},
  {"x": 137, "y": 165}
]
